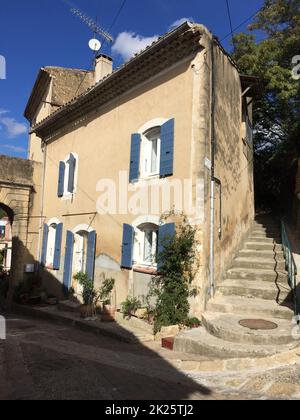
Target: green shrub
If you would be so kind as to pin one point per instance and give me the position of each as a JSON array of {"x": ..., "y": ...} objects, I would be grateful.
[
  {"x": 89, "y": 293},
  {"x": 130, "y": 306},
  {"x": 105, "y": 291},
  {"x": 193, "y": 322},
  {"x": 171, "y": 287}
]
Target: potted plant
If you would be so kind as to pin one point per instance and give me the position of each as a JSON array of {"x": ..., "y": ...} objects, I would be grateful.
[
  {"x": 130, "y": 306},
  {"x": 89, "y": 296},
  {"x": 108, "y": 310},
  {"x": 193, "y": 323}
]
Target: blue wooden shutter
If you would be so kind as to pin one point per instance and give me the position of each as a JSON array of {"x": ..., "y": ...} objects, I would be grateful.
[
  {"x": 127, "y": 247},
  {"x": 165, "y": 233},
  {"x": 167, "y": 149},
  {"x": 44, "y": 245},
  {"x": 71, "y": 179},
  {"x": 57, "y": 248},
  {"x": 134, "y": 171},
  {"x": 91, "y": 251},
  {"x": 61, "y": 179},
  {"x": 68, "y": 262}
]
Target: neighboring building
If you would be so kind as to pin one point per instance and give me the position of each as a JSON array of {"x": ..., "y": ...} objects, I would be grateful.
[
  {"x": 177, "y": 117},
  {"x": 6, "y": 243}
]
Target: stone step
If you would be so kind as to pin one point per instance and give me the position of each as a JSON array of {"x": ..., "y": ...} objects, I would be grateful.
[
  {"x": 255, "y": 289},
  {"x": 261, "y": 246},
  {"x": 249, "y": 253},
  {"x": 262, "y": 263},
  {"x": 257, "y": 274},
  {"x": 264, "y": 229},
  {"x": 249, "y": 307},
  {"x": 261, "y": 234},
  {"x": 227, "y": 327},
  {"x": 199, "y": 341},
  {"x": 264, "y": 240}
]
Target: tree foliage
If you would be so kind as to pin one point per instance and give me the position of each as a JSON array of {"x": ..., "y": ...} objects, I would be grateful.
[{"x": 267, "y": 52}]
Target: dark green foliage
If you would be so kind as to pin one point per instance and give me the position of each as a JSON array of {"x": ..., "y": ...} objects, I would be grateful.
[
  {"x": 267, "y": 52},
  {"x": 130, "y": 306},
  {"x": 193, "y": 323},
  {"x": 171, "y": 288},
  {"x": 89, "y": 293},
  {"x": 105, "y": 291}
]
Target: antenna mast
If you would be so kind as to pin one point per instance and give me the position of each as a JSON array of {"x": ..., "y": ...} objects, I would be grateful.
[{"x": 91, "y": 24}]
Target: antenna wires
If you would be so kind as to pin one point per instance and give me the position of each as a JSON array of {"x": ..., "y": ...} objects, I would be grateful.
[{"x": 91, "y": 24}]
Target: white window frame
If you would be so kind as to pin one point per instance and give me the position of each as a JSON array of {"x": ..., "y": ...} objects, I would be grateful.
[
  {"x": 145, "y": 148},
  {"x": 67, "y": 195},
  {"x": 139, "y": 226},
  {"x": 147, "y": 153}
]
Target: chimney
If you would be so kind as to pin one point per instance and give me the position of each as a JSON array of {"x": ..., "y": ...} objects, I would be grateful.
[{"x": 103, "y": 67}]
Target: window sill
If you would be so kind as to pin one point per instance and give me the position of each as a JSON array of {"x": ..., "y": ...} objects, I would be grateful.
[{"x": 145, "y": 270}]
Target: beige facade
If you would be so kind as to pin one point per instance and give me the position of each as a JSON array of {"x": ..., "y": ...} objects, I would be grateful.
[{"x": 170, "y": 81}]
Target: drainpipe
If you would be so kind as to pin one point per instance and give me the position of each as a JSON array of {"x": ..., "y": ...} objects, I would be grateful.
[
  {"x": 212, "y": 181},
  {"x": 42, "y": 205}
]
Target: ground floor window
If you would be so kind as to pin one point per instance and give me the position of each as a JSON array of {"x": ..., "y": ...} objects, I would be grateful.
[
  {"x": 145, "y": 244},
  {"x": 80, "y": 252},
  {"x": 51, "y": 245}
]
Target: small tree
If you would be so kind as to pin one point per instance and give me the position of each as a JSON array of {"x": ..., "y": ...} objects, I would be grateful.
[{"x": 170, "y": 289}]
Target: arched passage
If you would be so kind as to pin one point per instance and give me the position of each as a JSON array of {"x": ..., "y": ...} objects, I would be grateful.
[{"x": 6, "y": 223}]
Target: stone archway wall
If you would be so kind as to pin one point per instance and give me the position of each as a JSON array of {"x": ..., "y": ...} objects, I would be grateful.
[{"x": 18, "y": 179}]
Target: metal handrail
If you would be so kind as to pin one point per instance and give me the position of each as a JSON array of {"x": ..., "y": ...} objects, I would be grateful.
[{"x": 290, "y": 265}]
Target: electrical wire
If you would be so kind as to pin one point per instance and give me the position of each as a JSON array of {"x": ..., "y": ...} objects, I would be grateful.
[{"x": 230, "y": 20}]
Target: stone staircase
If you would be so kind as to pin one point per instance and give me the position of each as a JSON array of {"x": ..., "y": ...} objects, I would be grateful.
[{"x": 256, "y": 288}]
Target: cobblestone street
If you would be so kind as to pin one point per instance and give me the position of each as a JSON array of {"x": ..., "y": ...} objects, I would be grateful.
[{"x": 40, "y": 360}]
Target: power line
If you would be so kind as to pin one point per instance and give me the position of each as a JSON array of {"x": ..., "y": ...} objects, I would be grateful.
[
  {"x": 118, "y": 14},
  {"x": 116, "y": 17},
  {"x": 230, "y": 20}
]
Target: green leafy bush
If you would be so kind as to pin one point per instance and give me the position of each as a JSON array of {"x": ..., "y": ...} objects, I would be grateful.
[
  {"x": 106, "y": 290},
  {"x": 89, "y": 294},
  {"x": 193, "y": 322},
  {"x": 130, "y": 306}
]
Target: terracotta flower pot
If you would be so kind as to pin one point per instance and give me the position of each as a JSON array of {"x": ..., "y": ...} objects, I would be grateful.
[
  {"x": 108, "y": 313},
  {"x": 87, "y": 311}
]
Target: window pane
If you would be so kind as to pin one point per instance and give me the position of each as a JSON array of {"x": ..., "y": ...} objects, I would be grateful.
[
  {"x": 148, "y": 246},
  {"x": 154, "y": 156}
]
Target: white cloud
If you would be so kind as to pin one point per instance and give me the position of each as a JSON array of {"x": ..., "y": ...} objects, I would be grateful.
[
  {"x": 128, "y": 44},
  {"x": 15, "y": 149},
  {"x": 179, "y": 22},
  {"x": 12, "y": 128}
]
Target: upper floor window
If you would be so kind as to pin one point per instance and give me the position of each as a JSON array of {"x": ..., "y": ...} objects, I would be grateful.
[
  {"x": 150, "y": 156},
  {"x": 152, "y": 150},
  {"x": 68, "y": 176}
]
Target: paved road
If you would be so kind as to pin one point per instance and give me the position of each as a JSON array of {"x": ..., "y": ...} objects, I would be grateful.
[{"x": 40, "y": 360}]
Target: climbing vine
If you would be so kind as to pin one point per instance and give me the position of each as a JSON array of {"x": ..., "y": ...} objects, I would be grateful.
[{"x": 171, "y": 288}]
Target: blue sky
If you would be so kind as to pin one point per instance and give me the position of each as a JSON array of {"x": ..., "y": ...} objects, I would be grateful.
[{"x": 37, "y": 33}]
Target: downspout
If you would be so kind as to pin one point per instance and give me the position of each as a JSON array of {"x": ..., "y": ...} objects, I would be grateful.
[
  {"x": 42, "y": 205},
  {"x": 212, "y": 180}
]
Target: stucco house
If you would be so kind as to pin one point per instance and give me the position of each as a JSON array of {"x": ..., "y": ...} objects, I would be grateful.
[{"x": 169, "y": 129}]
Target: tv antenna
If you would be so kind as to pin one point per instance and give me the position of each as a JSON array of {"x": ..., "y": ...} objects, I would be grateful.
[{"x": 94, "y": 27}]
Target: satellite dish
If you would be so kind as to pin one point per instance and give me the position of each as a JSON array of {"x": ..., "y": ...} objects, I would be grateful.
[{"x": 95, "y": 44}]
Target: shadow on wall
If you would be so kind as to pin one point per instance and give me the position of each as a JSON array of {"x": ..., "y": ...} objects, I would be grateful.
[{"x": 164, "y": 381}]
